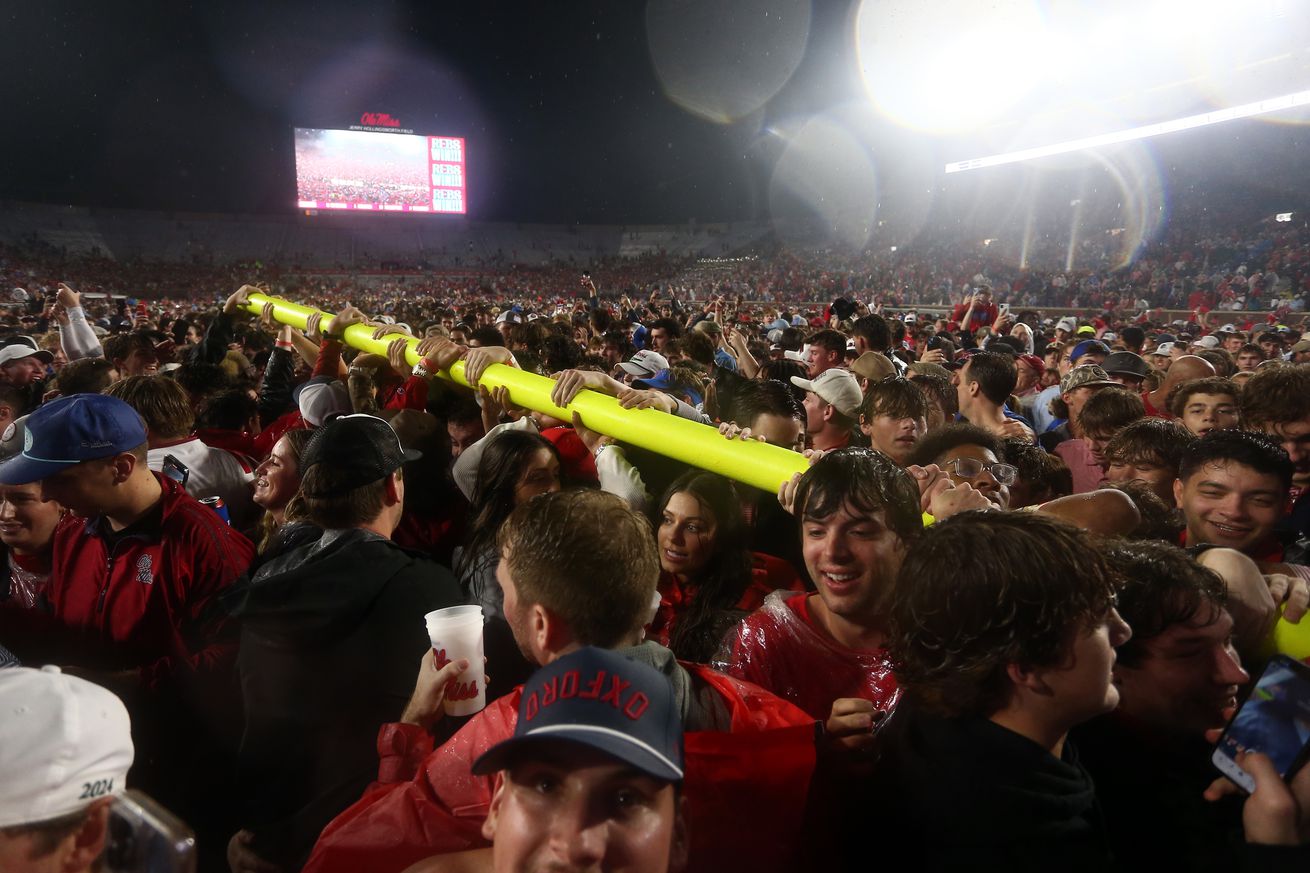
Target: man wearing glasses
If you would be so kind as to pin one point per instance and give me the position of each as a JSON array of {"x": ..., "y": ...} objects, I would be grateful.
[{"x": 970, "y": 456}]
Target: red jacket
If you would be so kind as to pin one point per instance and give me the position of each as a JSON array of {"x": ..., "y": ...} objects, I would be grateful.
[
  {"x": 745, "y": 789},
  {"x": 146, "y": 603}
]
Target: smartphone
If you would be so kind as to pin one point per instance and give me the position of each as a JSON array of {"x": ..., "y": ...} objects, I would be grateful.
[
  {"x": 141, "y": 309},
  {"x": 1005, "y": 309},
  {"x": 176, "y": 470},
  {"x": 145, "y": 836},
  {"x": 1274, "y": 720}
]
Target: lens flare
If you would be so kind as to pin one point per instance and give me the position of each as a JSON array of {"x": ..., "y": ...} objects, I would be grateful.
[{"x": 723, "y": 59}]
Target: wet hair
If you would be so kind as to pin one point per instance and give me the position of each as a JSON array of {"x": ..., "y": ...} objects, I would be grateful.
[
  {"x": 120, "y": 346},
  {"x": 487, "y": 336},
  {"x": 994, "y": 373},
  {"x": 1157, "y": 520},
  {"x": 939, "y": 387},
  {"x": 700, "y": 628},
  {"x": 896, "y": 397},
  {"x": 1153, "y": 440},
  {"x": 951, "y": 436},
  {"x": 698, "y": 346},
  {"x": 869, "y": 482},
  {"x": 1033, "y": 584},
  {"x": 671, "y": 328},
  {"x": 226, "y": 410},
  {"x": 84, "y": 376},
  {"x": 1212, "y": 385},
  {"x": 492, "y": 501},
  {"x": 1110, "y": 410},
  {"x": 765, "y": 397},
  {"x": 1275, "y": 396},
  {"x": 1044, "y": 474},
  {"x": 1163, "y": 586},
  {"x": 1220, "y": 359},
  {"x": 873, "y": 328},
  {"x": 201, "y": 380},
  {"x": 829, "y": 340},
  {"x": 162, "y": 404},
  {"x": 587, "y": 557},
  {"x": 1250, "y": 449}
]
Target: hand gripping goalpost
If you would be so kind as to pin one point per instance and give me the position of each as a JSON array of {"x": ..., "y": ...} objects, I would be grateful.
[{"x": 750, "y": 462}]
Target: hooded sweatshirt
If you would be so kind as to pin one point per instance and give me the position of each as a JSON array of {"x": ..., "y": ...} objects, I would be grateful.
[
  {"x": 331, "y": 638},
  {"x": 970, "y": 794}
]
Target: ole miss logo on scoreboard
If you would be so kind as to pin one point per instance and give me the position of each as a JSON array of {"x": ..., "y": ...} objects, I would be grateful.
[{"x": 378, "y": 119}]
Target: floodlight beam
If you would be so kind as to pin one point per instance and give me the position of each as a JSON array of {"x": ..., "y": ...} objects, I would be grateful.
[{"x": 1218, "y": 116}]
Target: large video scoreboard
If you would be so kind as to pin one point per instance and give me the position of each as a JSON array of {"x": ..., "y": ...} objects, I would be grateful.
[{"x": 371, "y": 169}]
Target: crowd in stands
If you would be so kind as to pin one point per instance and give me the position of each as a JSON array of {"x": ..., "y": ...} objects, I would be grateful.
[
  {"x": 1035, "y": 562},
  {"x": 361, "y": 179}
]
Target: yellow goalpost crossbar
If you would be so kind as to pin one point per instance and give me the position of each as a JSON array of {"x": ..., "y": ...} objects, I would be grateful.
[{"x": 752, "y": 463}]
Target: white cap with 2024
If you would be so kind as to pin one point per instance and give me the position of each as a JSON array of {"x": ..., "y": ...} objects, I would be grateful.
[{"x": 64, "y": 743}]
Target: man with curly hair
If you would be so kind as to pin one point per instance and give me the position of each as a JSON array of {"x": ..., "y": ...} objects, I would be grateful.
[{"x": 997, "y": 664}]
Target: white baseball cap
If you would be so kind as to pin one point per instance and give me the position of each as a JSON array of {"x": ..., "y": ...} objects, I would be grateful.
[
  {"x": 21, "y": 350},
  {"x": 1163, "y": 349},
  {"x": 1068, "y": 323},
  {"x": 836, "y": 386},
  {"x": 64, "y": 743},
  {"x": 1207, "y": 342},
  {"x": 645, "y": 363},
  {"x": 322, "y": 399}
]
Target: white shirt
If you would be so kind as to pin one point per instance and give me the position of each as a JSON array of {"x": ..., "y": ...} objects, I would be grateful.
[{"x": 214, "y": 473}]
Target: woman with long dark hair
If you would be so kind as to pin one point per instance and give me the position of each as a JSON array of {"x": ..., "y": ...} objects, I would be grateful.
[
  {"x": 515, "y": 466},
  {"x": 710, "y": 579}
]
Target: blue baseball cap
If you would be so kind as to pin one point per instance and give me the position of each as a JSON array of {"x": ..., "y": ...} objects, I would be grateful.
[
  {"x": 599, "y": 699},
  {"x": 70, "y": 430},
  {"x": 664, "y": 381},
  {"x": 1085, "y": 347}
]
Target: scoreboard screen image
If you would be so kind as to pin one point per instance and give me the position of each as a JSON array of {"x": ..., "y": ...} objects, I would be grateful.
[{"x": 369, "y": 171}]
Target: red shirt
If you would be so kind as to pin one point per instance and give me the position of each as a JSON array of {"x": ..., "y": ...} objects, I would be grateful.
[
  {"x": 146, "y": 599},
  {"x": 426, "y": 802},
  {"x": 781, "y": 648}
]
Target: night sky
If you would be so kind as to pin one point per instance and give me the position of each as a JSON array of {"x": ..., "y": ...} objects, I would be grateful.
[{"x": 189, "y": 106}]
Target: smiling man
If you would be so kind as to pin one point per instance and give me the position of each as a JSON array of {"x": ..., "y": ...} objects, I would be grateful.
[
  {"x": 1177, "y": 677},
  {"x": 826, "y": 652},
  {"x": 1232, "y": 486}
]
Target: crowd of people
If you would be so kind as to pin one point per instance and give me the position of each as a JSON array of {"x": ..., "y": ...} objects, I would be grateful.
[
  {"x": 381, "y": 179},
  {"x": 1033, "y": 565}
]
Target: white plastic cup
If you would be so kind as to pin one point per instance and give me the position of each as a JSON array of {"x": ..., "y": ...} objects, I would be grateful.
[{"x": 456, "y": 632}]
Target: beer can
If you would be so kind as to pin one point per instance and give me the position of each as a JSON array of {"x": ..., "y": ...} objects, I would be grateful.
[{"x": 217, "y": 504}]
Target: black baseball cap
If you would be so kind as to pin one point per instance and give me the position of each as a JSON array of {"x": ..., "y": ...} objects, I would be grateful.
[
  {"x": 599, "y": 699},
  {"x": 1126, "y": 363},
  {"x": 362, "y": 448}
]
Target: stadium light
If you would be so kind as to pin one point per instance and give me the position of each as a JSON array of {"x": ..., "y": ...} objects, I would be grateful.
[
  {"x": 1283, "y": 216},
  {"x": 1218, "y": 116}
]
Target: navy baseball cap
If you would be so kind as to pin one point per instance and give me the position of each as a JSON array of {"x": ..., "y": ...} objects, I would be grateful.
[
  {"x": 70, "y": 430},
  {"x": 598, "y": 699},
  {"x": 1085, "y": 347}
]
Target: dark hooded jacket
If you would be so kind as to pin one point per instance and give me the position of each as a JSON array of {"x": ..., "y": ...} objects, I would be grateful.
[
  {"x": 968, "y": 794},
  {"x": 331, "y": 639}
]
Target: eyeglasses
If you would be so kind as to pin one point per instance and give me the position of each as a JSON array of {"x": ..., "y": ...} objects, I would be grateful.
[{"x": 971, "y": 468}]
